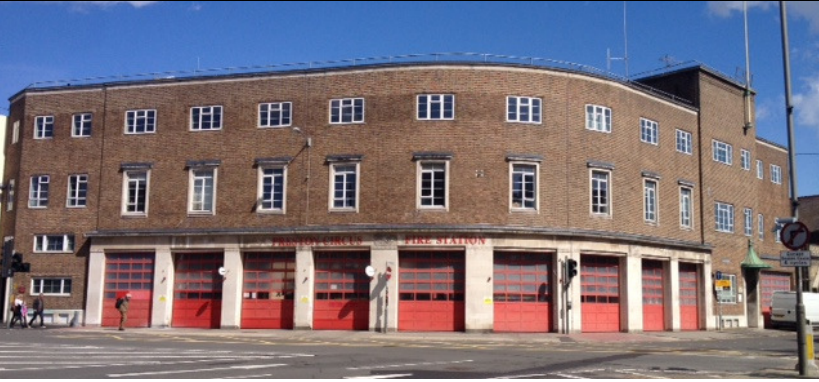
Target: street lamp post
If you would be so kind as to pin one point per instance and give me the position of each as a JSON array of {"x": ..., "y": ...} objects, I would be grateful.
[{"x": 805, "y": 368}]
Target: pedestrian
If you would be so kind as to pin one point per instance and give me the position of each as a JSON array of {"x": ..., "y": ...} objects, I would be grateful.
[
  {"x": 122, "y": 306},
  {"x": 39, "y": 307},
  {"x": 17, "y": 312},
  {"x": 24, "y": 314}
]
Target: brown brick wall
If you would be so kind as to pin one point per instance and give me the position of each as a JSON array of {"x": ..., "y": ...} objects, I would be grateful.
[{"x": 479, "y": 139}]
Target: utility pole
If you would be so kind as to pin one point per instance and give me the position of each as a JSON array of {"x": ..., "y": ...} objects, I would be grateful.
[{"x": 805, "y": 368}]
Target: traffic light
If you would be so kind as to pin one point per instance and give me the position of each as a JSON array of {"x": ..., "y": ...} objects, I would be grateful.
[
  {"x": 17, "y": 262},
  {"x": 8, "y": 250},
  {"x": 571, "y": 268}
]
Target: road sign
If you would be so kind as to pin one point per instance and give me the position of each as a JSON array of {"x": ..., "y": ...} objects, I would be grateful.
[
  {"x": 794, "y": 235},
  {"x": 719, "y": 275},
  {"x": 794, "y": 259}
]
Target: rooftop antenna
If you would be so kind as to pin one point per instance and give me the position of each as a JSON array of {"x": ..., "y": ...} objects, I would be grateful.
[
  {"x": 748, "y": 125},
  {"x": 625, "y": 38}
]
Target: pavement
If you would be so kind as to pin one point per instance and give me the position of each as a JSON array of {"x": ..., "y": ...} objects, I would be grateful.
[{"x": 643, "y": 337}]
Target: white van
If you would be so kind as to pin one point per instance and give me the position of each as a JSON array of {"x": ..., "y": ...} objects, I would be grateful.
[{"x": 783, "y": 308}]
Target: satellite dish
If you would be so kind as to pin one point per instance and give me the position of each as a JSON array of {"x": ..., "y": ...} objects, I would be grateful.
[
  {"x": 222, "y": 271},
  {"x": 370, "y": 271}
]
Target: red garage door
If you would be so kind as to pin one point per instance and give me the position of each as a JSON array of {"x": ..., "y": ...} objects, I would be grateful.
[
  {"x": 197, "y": 291},
  {"x": 523, "y": 294},
  {"x": 269, "y": 285},
  {"x": 689, "y": 297},
  {"x": 600, "y": 294},
  {"x": 128, "y": 273},
  {"x": 342, "y": 291},
  {"x": 772, "y": 282},
  {"x": 653, "y": 296},
  {"x": 431, "y": 291}
]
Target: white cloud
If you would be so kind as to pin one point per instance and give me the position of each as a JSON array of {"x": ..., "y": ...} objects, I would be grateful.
[
  {"x": 725, "y": 8},
  {"x": 104, "y": 4},
  {"x": 808, "y": 10},
  {"x": 85, "y": 5},
  {"x": 807, "y": 114}
]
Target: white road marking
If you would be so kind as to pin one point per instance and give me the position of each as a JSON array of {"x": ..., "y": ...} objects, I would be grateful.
[
  {"x": 408, "y": 365},
  {"x": 520, "y": 376},
  {"x": 246, "y": 376},
  {"x": 568, "y": 376},
  {"x": 165, "y": 372},
  {"x": 386, "y": 376}
]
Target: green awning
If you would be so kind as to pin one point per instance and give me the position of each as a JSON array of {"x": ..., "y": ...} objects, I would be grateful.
[{"x": 752, "y": 260}]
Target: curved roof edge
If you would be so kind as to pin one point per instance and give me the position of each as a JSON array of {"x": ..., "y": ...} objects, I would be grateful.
[{"x": 579, "y": 69}]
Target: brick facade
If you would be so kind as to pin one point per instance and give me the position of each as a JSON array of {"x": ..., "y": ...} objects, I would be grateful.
[{"x": 479, "y": 139}]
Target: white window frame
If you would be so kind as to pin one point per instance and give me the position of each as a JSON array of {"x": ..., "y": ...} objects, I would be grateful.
[
  {"x": 684, "y": 142},
  {"x": 284, "y": 111},
  {"x": 145, "y": 115},
  {"x": 37, "y": 284},
  {"x": 530, "y": 107},
  {"x": 745, "y": 159},
  {"x": 74, "y": 199},
  {"x": 776, "y": 174},
  {"x": 733, "y": 298},
  {"x": 761, "y": 226},
  {"x": 724, "y": 217},
  {"x": 38, "y": 191},
  {"x": 15, "y": 132},
  {"x": 720, "y": 149},
  {"x": 686, "y": 207},
  {"x": 607, "y": 207},
  {"x": 81, "y": 125},
  {"x": 445, "y": 104},
  {"x": 128, "y": 177},
  {"x": 760, "y": 172},
  {"x": 206, "y": 115},
  {"x": 342, "y": 169},
  {"x": 598, "y": 118},
  {"x": 268, "y": 205},
  {"x": 778, "y": 225},
  {"x": 196, "y": 190},
  {"x": 44, "y": 127},
  {"x": 10, "y": 196},
  {"x": 42, "y": 242},
  {"x": 521, "y": 168},
  {"x": 651, "y": 198},
  {"x": 649, "y": 131},
  {"x": 343, "y": 111},
  {"x": 749, "y": 222},
  {"x": 424, "y": 167}
]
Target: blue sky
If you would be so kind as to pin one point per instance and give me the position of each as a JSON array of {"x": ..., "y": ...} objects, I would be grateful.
[{"x": 43, "y": 41}]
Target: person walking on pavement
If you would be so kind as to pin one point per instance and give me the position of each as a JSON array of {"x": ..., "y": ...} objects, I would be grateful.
[
  {"x": 122, "y": 306},
  {"x": 17, "y": 313},
  {"x": 39, "y": 307}
]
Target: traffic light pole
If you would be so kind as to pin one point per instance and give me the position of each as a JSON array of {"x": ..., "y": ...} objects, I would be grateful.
[{"x": 801, "y": 331}]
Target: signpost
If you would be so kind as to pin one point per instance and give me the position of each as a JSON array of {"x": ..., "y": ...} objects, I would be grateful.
[{"x": 795, "y": 236}]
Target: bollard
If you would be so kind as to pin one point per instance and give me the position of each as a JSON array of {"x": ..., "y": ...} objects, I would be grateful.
[
  {"x": 809, "y": 342},
  {"x": 811, "y": 369}
]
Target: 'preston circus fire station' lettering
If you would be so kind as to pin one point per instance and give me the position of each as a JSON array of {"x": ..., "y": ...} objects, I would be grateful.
[
  {"x": 318, "y": 241},
  {"x": 444, "y": 240}
]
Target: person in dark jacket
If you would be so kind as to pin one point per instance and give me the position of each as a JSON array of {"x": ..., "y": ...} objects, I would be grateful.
[
  {"x": 39, "y": 307},
  {"x": 17, "y": 313},
  {"x": 123, "y": 311}
]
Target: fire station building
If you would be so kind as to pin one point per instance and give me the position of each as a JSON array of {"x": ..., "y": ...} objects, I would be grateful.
[{"x": 426, "y": 196}]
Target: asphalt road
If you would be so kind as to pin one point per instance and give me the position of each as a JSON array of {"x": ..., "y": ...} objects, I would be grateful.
[{"x": 200, "y": 354}]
